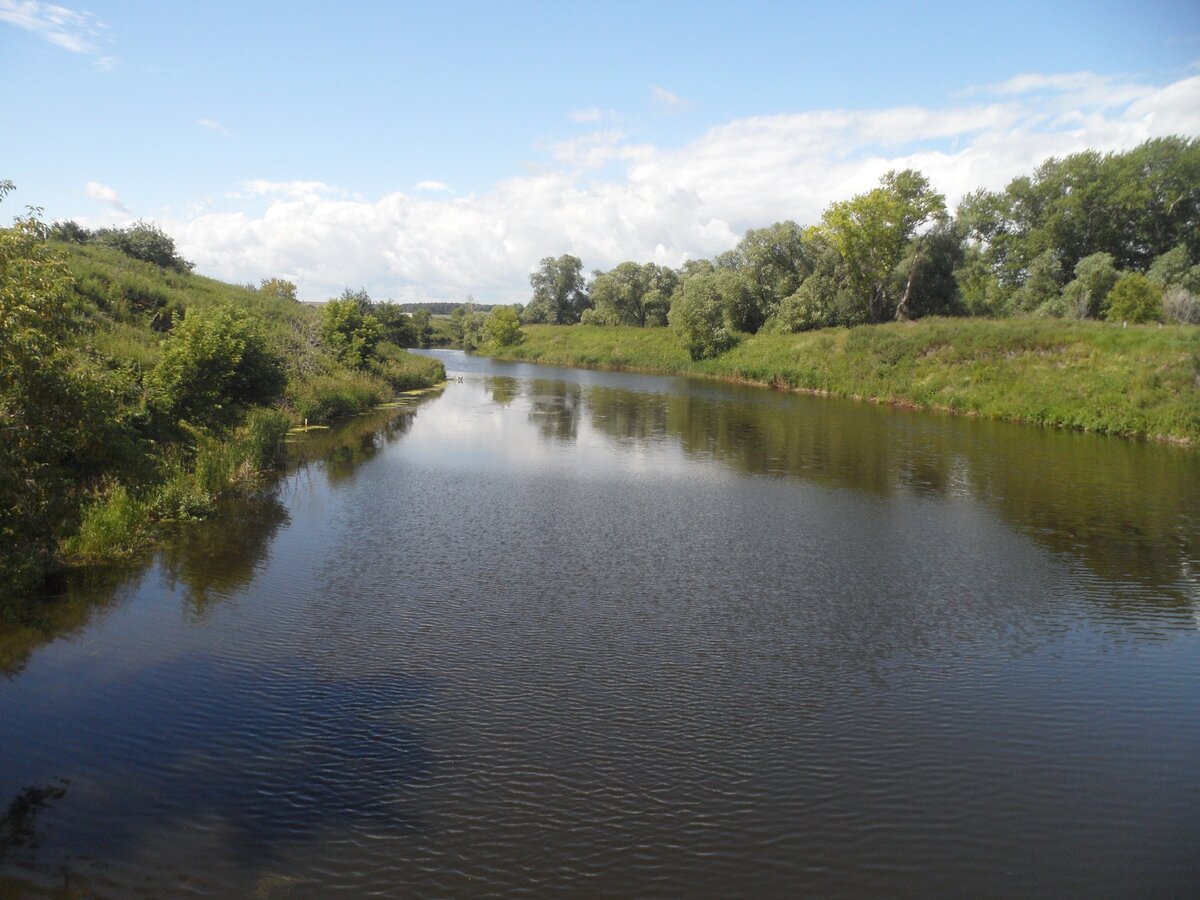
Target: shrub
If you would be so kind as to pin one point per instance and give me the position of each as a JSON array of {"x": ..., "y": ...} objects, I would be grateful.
[
  {"x": 115, "y": 525},
  {"x": 1134, "y": 298},
  {"x": 502, "y": 327},
  {"x": 261, "y": 438},
  {"x": 1181, "y": 306},
  {"x": 213, "y": 358},
  {"x": 147, "y": 242},
  {"x": 337, "y": 394}
]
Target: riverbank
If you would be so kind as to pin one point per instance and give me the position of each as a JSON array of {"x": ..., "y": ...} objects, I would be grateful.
[{"x": 1141, "y": 381}]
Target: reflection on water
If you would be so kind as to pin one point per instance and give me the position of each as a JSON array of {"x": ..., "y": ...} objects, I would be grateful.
[{"x": 611, "y": 634}]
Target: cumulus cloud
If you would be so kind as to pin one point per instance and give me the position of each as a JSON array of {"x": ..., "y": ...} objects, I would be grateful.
[
  {"x": 590, "y": 114},
  {"x": 606, "y": 198},
  {"x": 95, "y": 190},
  {"x": 74, "y": 31},
  {"x": 437, "y": 187}
]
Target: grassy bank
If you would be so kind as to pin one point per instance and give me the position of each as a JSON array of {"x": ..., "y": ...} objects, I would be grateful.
[
  {"x": 136, "y": 396},
  {"x": 1140, "y": 381}
]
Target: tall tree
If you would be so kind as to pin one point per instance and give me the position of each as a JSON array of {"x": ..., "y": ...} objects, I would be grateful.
[
  {"x": 559, "y": 292},
  {"x": 872, "y": 231},
  {"x": 633, "y": 294}
]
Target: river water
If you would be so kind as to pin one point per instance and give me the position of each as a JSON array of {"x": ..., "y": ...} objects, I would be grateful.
[{"x": 553, "y": 631}]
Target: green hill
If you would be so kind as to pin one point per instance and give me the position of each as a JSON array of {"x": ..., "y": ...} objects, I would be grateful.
[{"x": 134, "y": 394}]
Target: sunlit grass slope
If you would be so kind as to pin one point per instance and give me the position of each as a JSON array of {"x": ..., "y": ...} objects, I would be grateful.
[{"x": 1141, "y": 381}]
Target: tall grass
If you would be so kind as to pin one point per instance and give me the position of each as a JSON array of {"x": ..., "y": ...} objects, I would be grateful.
[{"x": 1139, "y": 381}]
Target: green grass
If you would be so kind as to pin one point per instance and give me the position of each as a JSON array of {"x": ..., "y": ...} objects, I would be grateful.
[{"x": 1140, "y": 381}]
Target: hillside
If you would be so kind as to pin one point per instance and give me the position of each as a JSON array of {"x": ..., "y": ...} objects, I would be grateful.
[{"x": 135, "y": 395}]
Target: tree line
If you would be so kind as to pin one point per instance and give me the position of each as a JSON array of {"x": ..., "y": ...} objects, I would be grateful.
[{"x": 1090, "y": 236}]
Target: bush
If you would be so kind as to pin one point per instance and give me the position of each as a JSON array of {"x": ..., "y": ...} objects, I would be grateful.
[
  {"x": 261, "y": 438},
  {"x": 1134, "y": 298},
  {"x": 213, "y": 358},
  {"x": 502, "y": 327},
  {"x": 337, "y": 394},
  {"x": 147, "y": 242},
  {"x": 1181, "y": 306},
  {"x": 698, "y": 317},
  {"x": 114, "y": 526},
  {"x": 348, "y": 331}
]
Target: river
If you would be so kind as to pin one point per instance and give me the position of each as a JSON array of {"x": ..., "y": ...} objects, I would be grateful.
[{"x": 552, "y": 630}]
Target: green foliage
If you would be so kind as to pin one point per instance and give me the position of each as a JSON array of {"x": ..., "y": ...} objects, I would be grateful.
[
  {"x": 115, "y": 525},
  {"x": 1134, "y": 298},
  {"x": 632, "y": 294},
  {"x": 559, "y": 292},
  {"x": 279, "y": 288},
  {"x": 698, "y": 316},
  {"x": 1175, "y": 269},
  {"x": 147, "y": 242},
  {"x": 1041, "y": 284},
  {"x": 473, "y": 327},
  {"x": 56, "y": 413},
  {"x": 1095, "y": 276},
  {"x": 212, "y": 359},
  {"x": 871, "y": 232},
  {"x": 406, "y": 371},
  {"x": 400, "y": 328},
  {"x": 349, "y": 329},
  {"x": 261, "y": 438},
  {"x": 1135, "y": 381},
  {"x": 502, "y": 327},
  {"x": 1135, "y": 206},
  {"x": 422, "y": 327},
  {"x": 336, "y": 395},
  {"x": 774, "y": 262}
]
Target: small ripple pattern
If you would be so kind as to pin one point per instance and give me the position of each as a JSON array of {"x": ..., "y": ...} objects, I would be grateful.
[{"x": 610, "y": 635}]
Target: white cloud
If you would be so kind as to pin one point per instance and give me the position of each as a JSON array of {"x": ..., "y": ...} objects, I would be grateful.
[
  {"x": 106, "y": 195},
  {"x": 591, "y": 114},
  {"x": 293, "y": 190},
  {"x": 666, "y": 101},
  {"x": 213, "y": 125},
  {"x": 606, "y": 198},
  {"x": 433, "y": 186},
  {"x": 65, "y": 28}
]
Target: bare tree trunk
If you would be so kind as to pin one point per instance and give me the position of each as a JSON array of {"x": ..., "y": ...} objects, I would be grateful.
[{"x": 902, "y": 306}]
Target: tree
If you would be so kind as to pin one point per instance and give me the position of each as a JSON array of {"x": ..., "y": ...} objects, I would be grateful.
[
  {"x": 1041, "y": 284},
  {"x": 395, "y": 325},
  {"x": 147, "y": 242},
  {"x": 474, "y": 330},
  {"x": 212, "y": 359},
  {"x": 502, "y": 326},
  {"x": 279, "y": 288},
  {"x": 422, "y": 323},
  {"x": 1175, "y": 269},
  {"x": 559, "y": 292},
  {"x": 871, "y": 231},
  {"x": 1134, "y": 298},
  {"x": 1095, "y": 276},
  {"x": 698, "y": 317},
  {"x": 774, "y": 261},
  {"x": 632, "y": 294},
  {"x": 349, "y": 330}
]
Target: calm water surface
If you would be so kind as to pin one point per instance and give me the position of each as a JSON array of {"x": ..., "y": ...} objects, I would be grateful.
[{"x": 559, "y": 631}]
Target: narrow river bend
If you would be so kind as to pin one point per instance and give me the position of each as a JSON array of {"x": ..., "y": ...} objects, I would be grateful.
[{"x": 555, "y": 631}]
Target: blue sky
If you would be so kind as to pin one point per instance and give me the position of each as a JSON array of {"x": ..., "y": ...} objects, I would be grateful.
[{"x": 431, "y": 150}]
